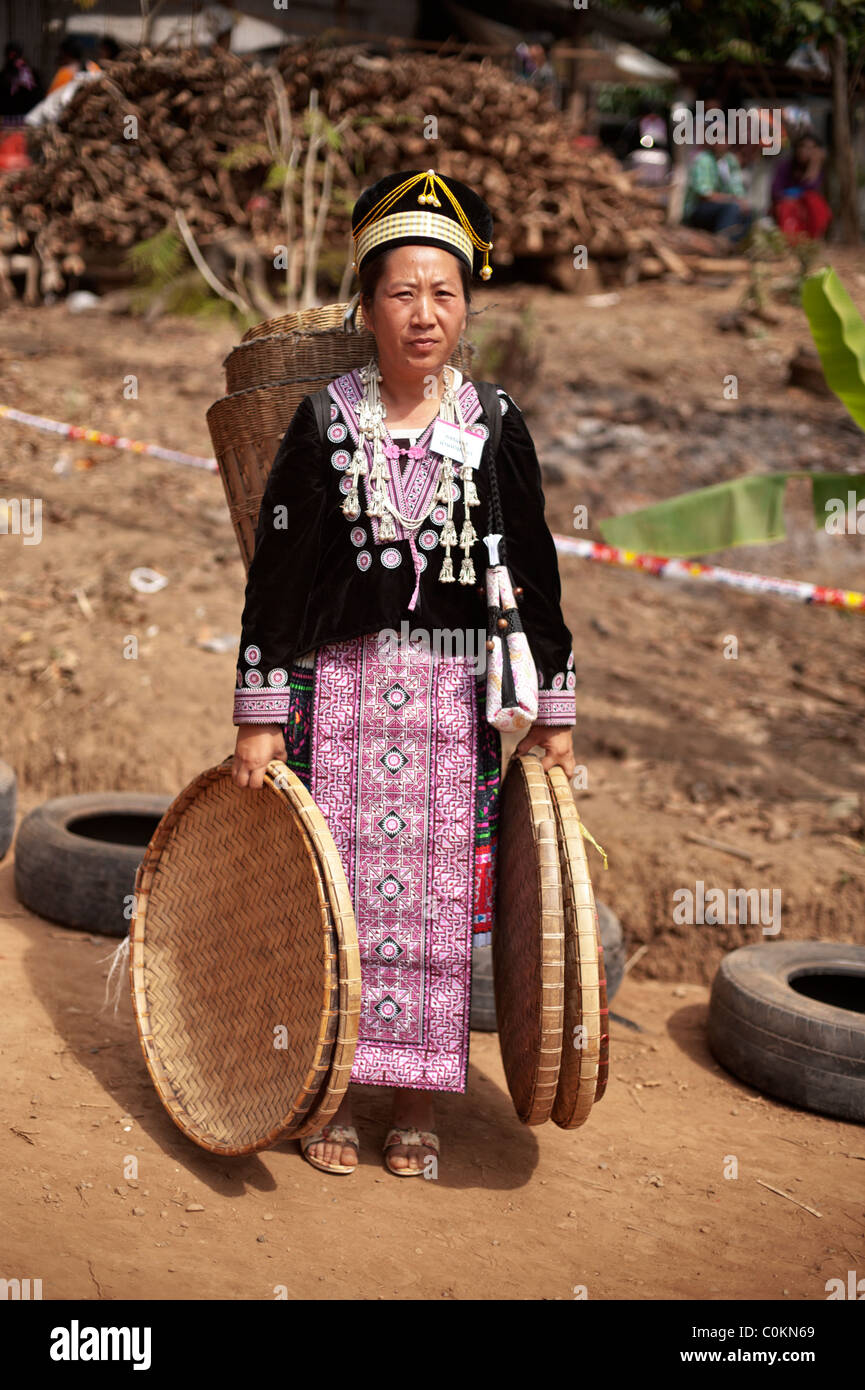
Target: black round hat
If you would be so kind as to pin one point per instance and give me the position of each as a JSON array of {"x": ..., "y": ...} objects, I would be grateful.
[{"x": 423, "y": 207}]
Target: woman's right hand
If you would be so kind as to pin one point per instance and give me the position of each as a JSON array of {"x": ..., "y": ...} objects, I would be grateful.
[{"x": 256, "y": 745}]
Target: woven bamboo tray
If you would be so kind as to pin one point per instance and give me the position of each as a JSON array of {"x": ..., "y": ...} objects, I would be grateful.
[
  {"x": 528, "y": 941},
  {"x": 339, "y": 902},
  {"x": 585, "y": 1053},
  {"x": 235, "y": 961},
  {"x": 278, "y": 363}
]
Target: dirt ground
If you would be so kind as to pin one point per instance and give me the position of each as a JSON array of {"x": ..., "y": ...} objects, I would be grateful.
[
  {"x": 633, "y": 1205},
  {"x": 764, "y": 754}
]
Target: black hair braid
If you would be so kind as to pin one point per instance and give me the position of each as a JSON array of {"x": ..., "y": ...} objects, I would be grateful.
[{"x": 495, "y": 522}]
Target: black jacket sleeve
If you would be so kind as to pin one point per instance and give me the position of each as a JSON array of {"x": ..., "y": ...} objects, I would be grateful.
[
  {"x": 530, "y": 552},
  {"x": 282, "y": 571}
]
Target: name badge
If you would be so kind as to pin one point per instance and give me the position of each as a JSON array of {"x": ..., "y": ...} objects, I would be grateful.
[{"x": 446, "y": 440}]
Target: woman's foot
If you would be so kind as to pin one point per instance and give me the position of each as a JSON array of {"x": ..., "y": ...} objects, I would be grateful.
[
  {"x": 332, "y": 1151},
  {"x": 411, "y": 1110}
]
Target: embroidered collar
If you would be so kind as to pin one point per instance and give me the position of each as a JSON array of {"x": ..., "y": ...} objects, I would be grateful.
[{"x": 414, "y": 485}]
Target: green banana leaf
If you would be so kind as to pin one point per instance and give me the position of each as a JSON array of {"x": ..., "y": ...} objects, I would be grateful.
[
  {"x": 750, "y": 510},
  {"x": 838, "y": 330},
  {"x": 743, "y": 511}
]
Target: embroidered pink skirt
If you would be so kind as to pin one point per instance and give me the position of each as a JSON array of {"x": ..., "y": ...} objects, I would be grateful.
[{"x": 394, "y": 768}]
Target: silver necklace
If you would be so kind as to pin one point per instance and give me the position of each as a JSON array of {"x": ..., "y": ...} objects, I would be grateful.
[{"x": 370, "y": 421}]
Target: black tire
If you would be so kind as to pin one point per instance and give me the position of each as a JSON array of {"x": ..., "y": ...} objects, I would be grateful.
[
  {"x": 8, "y": 797},
  {"x": 613, "y": 942},
  {"x": 76, "y": 857},
  {"x": 483, "y": 1014},
  {"x": 805, "y": 1047}
]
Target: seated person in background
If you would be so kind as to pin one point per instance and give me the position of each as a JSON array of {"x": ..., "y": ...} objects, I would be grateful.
[
  {"x": 20, "y": 87},
  {"x": 108, "y": 50},
  {"x": 798, "y": 205},
  {"x": 715, "y": 194},
  {"x": 71, "y": 60}
]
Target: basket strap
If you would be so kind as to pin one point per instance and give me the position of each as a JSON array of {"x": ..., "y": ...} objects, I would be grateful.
[{"x": 321, "y": 405}]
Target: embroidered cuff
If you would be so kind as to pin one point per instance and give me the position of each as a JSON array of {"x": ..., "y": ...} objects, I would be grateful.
[
  {"x": 261, "y": 707},
  {"x": 557, "y": 707}
]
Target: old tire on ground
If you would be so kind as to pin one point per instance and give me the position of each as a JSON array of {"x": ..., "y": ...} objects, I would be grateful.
[
  {"x": 76, "y": 857},
  {"x": 613, "y": 942},
  {"x": 8, "y": 786},
  {"x": 483, "y": 1016},
  {"x": 789, "y": 1019}
]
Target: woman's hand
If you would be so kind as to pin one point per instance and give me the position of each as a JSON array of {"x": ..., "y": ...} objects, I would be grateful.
[
  {"x": 256, "y": 745},
  {"x": 557, "y": 744}
]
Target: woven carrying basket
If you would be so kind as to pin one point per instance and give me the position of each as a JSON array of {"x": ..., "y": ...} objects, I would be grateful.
[
  {"x": 244, "y": 962},
  {"x": 277, "y": 363},
  {"x": 529, "y": 942},
  {"x": 585, "y": 1053}
]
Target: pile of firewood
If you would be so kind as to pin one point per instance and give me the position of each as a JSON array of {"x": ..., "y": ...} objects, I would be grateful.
[
  {"x": 500, "y": 136},
  {"x": 131, "y": 147},
  {"x": 151, "y": 137}
]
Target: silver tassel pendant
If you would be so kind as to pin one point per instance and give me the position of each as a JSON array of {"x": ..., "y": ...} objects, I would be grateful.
[
  {"x": 448, "y": 533},
  {"x": 386, "y": 528},
  {"x": 445, "y": 484},
  {"x": 446, "y": 573}
]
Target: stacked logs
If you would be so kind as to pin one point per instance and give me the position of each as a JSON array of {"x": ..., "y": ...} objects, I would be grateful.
[
  {"x": 152, "y": 135},
  {"x": 132, "y": 146},
  {"x": 501, "y": 137}
]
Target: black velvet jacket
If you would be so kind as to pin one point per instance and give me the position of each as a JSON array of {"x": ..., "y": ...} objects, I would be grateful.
[{"x": 317, "y": 577}]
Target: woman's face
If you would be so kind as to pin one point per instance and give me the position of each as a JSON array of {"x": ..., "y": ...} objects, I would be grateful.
[{"x": 419, "y": 309}]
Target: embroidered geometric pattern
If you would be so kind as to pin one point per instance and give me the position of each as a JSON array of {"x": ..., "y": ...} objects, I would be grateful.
[
  {"x": 297, "y": 733},
  {"x": 558, "y": 704},
  {"x": 396, "y": 781},
  {"x": 412, "y": 488},
  {"x": 556, "y": 707},
  {"x": 260, "y": 707}
]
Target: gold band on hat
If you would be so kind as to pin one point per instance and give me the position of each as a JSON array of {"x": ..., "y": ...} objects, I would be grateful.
[
  {"x": 444, "y": 228},
  {"x": 399, "y": 224}
]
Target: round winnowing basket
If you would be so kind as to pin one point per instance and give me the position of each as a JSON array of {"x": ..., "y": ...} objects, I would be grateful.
[
  {"x": 528, "y": 941},
  {"x": 278, "y": 363},
  {"x": 336, "y": 1081},
  {"x": 242, "y": 932},
  {"x": 585, "y": 1052}
]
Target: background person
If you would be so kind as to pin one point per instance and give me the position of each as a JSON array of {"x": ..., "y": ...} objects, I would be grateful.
[
  {"x": 70, "y": 57},
  {"x": 715, "y": 198},
  {"x": 20, "y": 87},
  {"x": 107, "y": 50},
  {"x": 798, "y": 204}
]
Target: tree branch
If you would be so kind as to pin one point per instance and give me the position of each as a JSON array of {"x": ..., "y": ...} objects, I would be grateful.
[{"x": 204, "y": 269}]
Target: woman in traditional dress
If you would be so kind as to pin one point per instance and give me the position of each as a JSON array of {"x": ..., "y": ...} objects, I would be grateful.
[{"x": 387, "y": 727}]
